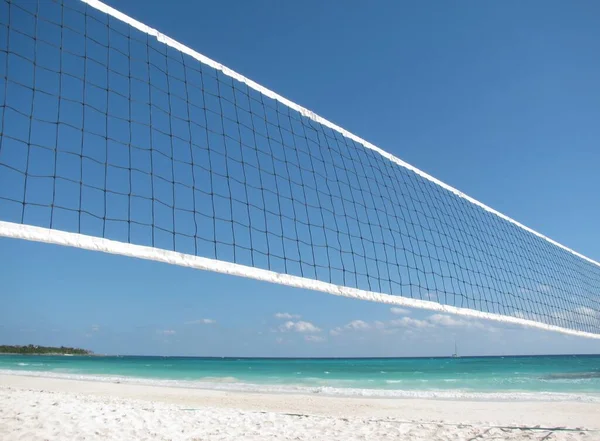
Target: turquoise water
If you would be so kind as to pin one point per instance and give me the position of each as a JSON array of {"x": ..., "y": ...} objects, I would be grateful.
[{"x": 504, "y": 377}]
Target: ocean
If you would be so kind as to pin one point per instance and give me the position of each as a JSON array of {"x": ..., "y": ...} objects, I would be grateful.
[{"x": 567, "y": 377}]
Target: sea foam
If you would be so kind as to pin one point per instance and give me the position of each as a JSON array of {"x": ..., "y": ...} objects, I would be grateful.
[{"x": 225, "y": 384}]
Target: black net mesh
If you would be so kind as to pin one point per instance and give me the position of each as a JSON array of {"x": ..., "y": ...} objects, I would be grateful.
[{"x": 107, "y": 132}]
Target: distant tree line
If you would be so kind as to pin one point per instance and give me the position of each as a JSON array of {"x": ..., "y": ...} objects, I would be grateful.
[{"x": 35, "y": 349}]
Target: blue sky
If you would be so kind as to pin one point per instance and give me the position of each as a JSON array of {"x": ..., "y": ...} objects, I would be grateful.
[{"x": 498, "y": 100}]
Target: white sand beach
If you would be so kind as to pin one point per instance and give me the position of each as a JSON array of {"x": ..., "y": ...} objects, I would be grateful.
[{"x": 36, "y": 408}]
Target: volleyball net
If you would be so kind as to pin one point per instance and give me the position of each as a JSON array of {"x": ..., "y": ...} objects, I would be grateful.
[{"x": 116, "y": 138}]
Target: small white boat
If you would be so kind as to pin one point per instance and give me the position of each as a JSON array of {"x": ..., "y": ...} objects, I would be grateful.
[{"x": 455, "y": 355}]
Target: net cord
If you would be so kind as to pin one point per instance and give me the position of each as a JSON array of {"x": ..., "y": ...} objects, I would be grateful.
[{"x": 46, "y": 235}]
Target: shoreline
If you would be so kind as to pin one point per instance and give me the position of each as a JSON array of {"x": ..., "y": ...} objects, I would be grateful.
[
  {"x": 509, "y": 411},
  {"x": 52, "y": 408},
  {"x": 232, "y": 386}
]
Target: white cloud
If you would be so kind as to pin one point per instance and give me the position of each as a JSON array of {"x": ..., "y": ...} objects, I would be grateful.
[
  {"x": 580, "y": 314},
  {"x": 519, "y": 314},
  {"x": 285, "y": 316},
  {"x": 279, "y": 340},
  {"x": 204, "y": 321},
  {"x": 587, "y": 311},
  {"x": 408, "y": 322},
  {"x": 166, "y": 332},
  {"x": 399, "y": 311},
  {"x": 299, "y": 326},
  {"x": 538, "y": 288},
  {"x": 432, "y": 295},
  {"x": 454, "y": 322},
  {"x": 95, "y": 328},
  {"x": 336, "y": 331},
  {"x": 358, "y": 325},
  {"x": 354, "y": 325},
  {"x": 445, "y": 320},
  {"x": 314, "y": 338}
]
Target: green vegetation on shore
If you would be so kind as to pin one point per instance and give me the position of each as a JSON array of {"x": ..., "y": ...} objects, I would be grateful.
[{"x": 46, "y": 350}]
